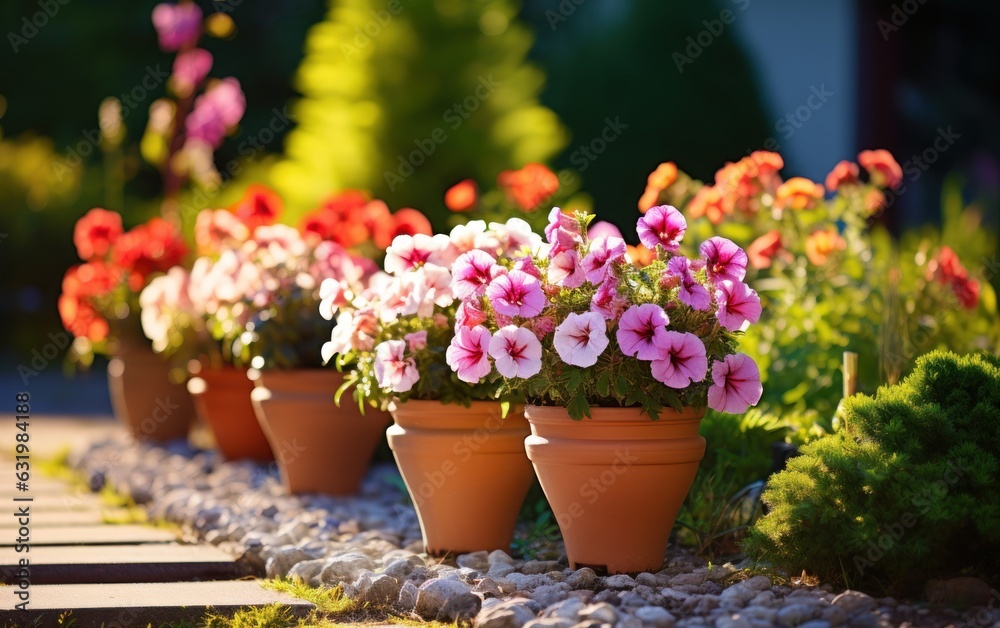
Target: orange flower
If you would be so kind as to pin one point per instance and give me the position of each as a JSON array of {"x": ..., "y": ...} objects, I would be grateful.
[
  {"x": 95, "y": 232},
  {"x": 768, "y": 163},
  {"x": 260, "y": 205},
  {"x": 798, "y": 193},
  {"x": 744, "y": 181},
  {"x": 708, "y": 201},
  {"x": 844, "y": 173},
  {"x": 462, "y": 196},
  {"x": 882, "y": 167},
  {"x": 764, "y": 248},
  {"x": 874, "y": 201},
  {"x": 409, "y": 221},
  {"x": 530, "y": 186},
  {"x": 648, "y": 199},
  {"x": 640, "y": 255},
  {"x": 823, "y": 243},
  {"x": 660, "y": 179}
]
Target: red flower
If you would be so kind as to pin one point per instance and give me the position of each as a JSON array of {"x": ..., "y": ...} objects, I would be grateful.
[
  {"x": 344, "y": 203},
  {"x": 260, "y": 205},
  {"x": 946, "y": 267},
  {"x": 95, "y": 232},
  {"x": 78, "y": 314},
  {"x": 762, "y": 250},
  {"x": 966, "y": 290},
  {"x": 881, "y": 167},
  {"x": 81, "y": 319},
  {"x": 321, "y": 224},
  {"x": 408, "y": 221},
  {"x": 462, "y": 196},
  {"x": 530, "y": 186},
  {"x": 379, "y": 222},
  {"x": 148, "y": 248},
  {"x": 844, "y": 173}
]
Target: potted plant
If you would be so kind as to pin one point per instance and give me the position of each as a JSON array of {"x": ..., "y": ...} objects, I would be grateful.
[
  {"x": 617, "y": 361},
  {"x": 462, "y": 462},
  {"x": 294, "y": 394},
  {"x": 99, "y": 305}
]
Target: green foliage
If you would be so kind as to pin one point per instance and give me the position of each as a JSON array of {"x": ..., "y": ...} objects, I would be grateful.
[
  {"x": 287, "y": 334},
  {"x": 717, "y": 510},
  {"x": 437, "y": 381},
  {"x": 904, "y": 492},
  {"x": 382, "y": 89}
]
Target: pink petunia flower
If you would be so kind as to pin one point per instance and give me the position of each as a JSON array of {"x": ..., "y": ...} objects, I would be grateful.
[
  {"x": 416, "y": 340},
  {"x": 468, "y": 353},
  {"x": 517, "y": 352},
  {"x": 603, "y": 228},
  {"x": 724, "y": 259},
  {"x": 215, "y": 112},
  {"x": 736, "y": 384},
  {"x": 543, "y": 326},
  {"x": 607, "y": 301},
  {"x": 662, "y": 226},
  {"x": 177, "y": 25},
  {"x": 526, "y": 265},
  {"x": 581, "y": 338},
  {"x": 469, "y": 314},
  {"x": 603, "y": 252},
  {"x": 472, "y": 272},
  {"x": 690, "y": 291},
  {"x": 410, "y": 251},
  {"x": 562, "y": 232},
  {"x": 642, "y": 331},
  {"x": 516, "y": 294},
  {"x": 565, "y": 270},
  {"x": 684, "y": 361},
  {"x": 737, "y": 302},
  {"x": 190, "y": 69},
  {"x": 393, "y": 371}
]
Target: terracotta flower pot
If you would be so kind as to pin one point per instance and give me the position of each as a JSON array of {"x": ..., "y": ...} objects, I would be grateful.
[
  {"x": 465, "y": 470},
  {"x": 222, "y": 399},
  {"x": 144, "y": 399},
  {"x": 320, "y": 448},
  {"x": 615, "y": 482}
]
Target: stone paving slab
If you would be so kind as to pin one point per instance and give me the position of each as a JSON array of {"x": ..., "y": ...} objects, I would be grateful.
[
  {"x": 38, "y": 485},
  {"x": 152, "y": 562},
  {"x": 64, "y": 518},
  {"x": 61, "y": 503},
  {"x": 139, "y": 604},
  {"x": 101, "y": 534}
]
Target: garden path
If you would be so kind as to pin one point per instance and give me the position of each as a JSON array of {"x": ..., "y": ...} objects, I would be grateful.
[{"x": 82, "y": 566}]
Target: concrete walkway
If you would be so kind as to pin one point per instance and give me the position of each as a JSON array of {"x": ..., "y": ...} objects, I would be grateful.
[{"x": 58, "y": 557}]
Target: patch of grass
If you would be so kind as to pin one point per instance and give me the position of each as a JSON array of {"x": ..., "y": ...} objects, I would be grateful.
[
  {"x": 335, "y": 609},
  {"x": 270, "y": 616}
]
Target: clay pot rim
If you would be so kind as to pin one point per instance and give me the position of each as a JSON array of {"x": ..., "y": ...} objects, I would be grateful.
[
  {"x": 612, "y": 415},
  {"x": 301, "y": 376}
]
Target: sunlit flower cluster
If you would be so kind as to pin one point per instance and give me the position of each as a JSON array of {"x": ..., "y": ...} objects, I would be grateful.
[
  {"x": 579, "y": 302},
  {"x": 397, "y": 328},
  {"x": 117, "y": 265}
]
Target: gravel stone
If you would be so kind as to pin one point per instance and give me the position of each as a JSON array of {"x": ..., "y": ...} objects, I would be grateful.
[
  {"x": 656, "y": 616},
  {"x": 602, "y": 612},
  {"x": 476, "y": 560},
  {"x": 583, "y": 578},
  {"x": 854, "y": 602},
  {"x": 795, "y": 614},
  {"x": 509, "y": 614},
  {"x": 540, "y": 567},
  {"x": 619, "y": 581}
]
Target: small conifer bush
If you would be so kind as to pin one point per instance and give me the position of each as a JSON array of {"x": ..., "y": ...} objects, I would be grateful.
[{"x": 906, "y": 491}]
